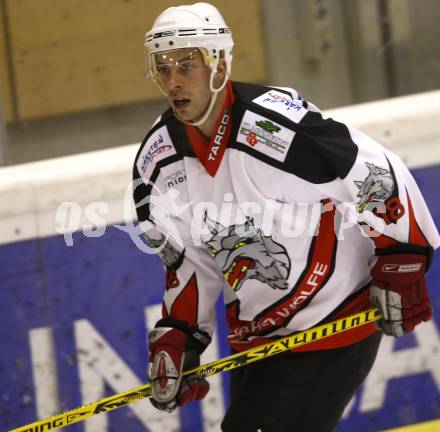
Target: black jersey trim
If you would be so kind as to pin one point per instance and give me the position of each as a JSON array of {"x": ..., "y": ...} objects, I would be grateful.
[
  {"x": 143, "y": 190},
  {"x": 183, "y": 149},
  {"x": 177, "y": 134},
  {"x": 247, "y": 92},
  {"x": 321, "y": 151}
]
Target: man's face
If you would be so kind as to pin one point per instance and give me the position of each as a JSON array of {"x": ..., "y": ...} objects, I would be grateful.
[{"x": 184, "y": 77}]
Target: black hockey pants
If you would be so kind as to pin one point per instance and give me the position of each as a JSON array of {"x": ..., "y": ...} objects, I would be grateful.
[{"x": 298, "y": 392}]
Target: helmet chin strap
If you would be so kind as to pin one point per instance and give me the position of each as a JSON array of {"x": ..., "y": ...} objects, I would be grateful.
[
  {"x": 214, "y": 94},
  {"x": 206, "y": 114}
]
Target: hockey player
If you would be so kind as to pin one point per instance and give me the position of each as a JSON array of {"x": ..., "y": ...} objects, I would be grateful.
[{"x": 243, "y": 190}]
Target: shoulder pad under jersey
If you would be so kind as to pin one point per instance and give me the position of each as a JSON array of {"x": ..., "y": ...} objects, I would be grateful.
[{"x": 283, "y": 101}]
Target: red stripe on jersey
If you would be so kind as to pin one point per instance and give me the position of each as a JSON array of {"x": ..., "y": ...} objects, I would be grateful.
[
  {"x": 172, "y": 278},
  {"x": 232, "y": 310},
  {"x": 359, "y": 303},
  {"x": 415, "y": 233},
  {"x": 185, "y": 307},
  {"x": 210, "y": 153},
  {"x": 164, "y": 311},
  {"x": 381, "y": 241},
  {"x": 319, "y": 268}
]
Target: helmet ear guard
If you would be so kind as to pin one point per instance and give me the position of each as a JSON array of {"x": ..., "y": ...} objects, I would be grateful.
[{"x": 198, "y": 26}]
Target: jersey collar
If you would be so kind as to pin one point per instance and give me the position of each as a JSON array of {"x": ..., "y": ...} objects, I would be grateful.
[{"x": 210, "y": 152}]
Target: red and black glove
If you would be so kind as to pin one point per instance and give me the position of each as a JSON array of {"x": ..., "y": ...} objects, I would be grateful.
[
  {"x": 399, "y": 290},
  {"x": 174, "y": 348}
]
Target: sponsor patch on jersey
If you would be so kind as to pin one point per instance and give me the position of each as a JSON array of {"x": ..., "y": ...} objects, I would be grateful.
[
  {"x": 175, "y": 178},
  {"x": 265, "y": 135},
  {"x": 283, "y": 104},
  {"x": 159, "y": 146}
]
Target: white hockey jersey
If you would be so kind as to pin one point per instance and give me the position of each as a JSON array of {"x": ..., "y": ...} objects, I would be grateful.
[{"x": 280, "y": 211}]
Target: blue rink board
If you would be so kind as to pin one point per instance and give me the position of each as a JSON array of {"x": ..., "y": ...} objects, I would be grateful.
[{"x": 109, "y": 282}]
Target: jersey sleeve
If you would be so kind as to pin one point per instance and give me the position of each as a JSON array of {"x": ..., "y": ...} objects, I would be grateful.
[
  {"x": 193, "y": 282},
  {"x": 369, "y": 183},
  {"x": 383, "y": 194}
]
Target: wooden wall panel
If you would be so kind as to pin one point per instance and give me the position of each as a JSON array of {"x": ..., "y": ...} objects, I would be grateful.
[
  {"x": 79, "y": 55},
  {"x": 244, "y": 19},
  {"x": 5, "y": 79}
]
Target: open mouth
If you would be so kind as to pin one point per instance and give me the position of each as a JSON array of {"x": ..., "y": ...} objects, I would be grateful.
[
  {"x": 237, "y": 271},
  {"x": 181, "y": 103}
]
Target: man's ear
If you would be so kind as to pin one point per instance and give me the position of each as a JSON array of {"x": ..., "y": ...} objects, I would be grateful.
[{"x": 220, "y": 74}]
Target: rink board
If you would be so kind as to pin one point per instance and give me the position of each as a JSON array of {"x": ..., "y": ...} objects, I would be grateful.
[{"x": 86, "y": 309}]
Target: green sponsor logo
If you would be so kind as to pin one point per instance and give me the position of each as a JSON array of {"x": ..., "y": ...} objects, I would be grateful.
[
  {"x": 268, "y": 126},
  {"x": 256, "y": 133}
]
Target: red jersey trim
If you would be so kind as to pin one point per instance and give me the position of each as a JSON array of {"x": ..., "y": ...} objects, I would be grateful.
[
  {"x": 319, "y": 268},
  {"x": 415, "y": 233},
  {"x": 359, "y": 303},
  {"x": 185, "y": 307},
  {"x": 210, "y": 152},
  {"x": 381, "y": 241}
]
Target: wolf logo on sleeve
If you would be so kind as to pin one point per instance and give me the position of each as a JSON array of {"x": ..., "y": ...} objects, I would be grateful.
[
  {"x": 377, "y": 187},
  {"x": 380, "y": 187}
]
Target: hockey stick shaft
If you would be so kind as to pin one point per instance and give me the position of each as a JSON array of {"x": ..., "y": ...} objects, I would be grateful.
[{"x": 228, "y": 363}]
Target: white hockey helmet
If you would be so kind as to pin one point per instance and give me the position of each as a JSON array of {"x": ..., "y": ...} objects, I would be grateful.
[{"x": 199, "y": 26}]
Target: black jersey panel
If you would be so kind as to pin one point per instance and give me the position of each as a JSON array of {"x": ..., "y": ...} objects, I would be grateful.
[
  {"x": 176, "y": 129},
  {"x": 141, "y": 192},
  {"x": 333, "y": 140},
  {"x": 321, "y": 151},
  {"x": 141, "y": 189},
  {"x": 247, "y": 92},
  {"x": 177, "y": 132},
  {"x": 304, "y": 159}
]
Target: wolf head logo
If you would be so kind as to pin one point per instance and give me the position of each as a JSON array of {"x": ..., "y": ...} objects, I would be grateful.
[
  {"x": 377, "y": 187},
  {"x": 243, "y": 253}
]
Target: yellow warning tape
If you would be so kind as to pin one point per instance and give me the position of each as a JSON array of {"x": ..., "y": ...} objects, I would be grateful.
[{"x": 228, "y": 363}]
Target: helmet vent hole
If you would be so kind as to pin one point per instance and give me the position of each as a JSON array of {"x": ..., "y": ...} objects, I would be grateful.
[
  {"x": 187, "y": 32},
  {"x": 171, "y": 42},
  {"x": 156, "y": 45},
  {"x": 207, "y": 19}
]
